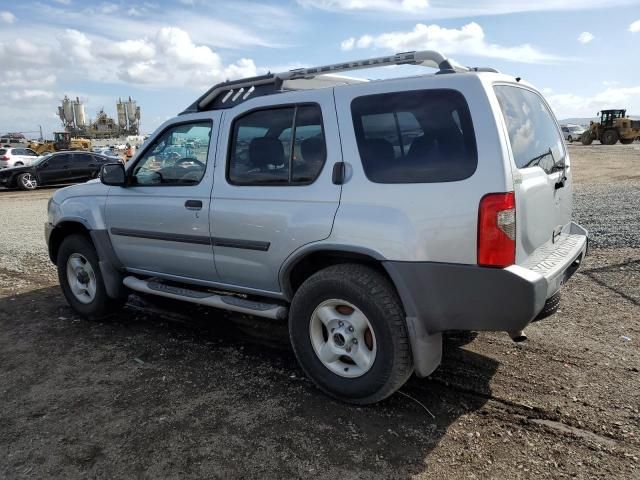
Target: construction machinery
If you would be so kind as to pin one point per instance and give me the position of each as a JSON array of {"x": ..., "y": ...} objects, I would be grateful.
[
  {"x": 74, "y": 120},
  {"x": 61, "y": 141},
  {"x": 614, "y": 125}
]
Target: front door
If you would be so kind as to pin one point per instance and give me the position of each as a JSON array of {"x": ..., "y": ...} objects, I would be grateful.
[
  {"x": 56, "y": 169},
  {"x": 273, "y": 191},
  {"x": 159, "y": 224}
]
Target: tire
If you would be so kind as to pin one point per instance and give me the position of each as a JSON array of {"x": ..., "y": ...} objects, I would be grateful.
[
  {"x": 27, "y": 181},
  {"x": 365, "y": 292},
  {"x": 609, "y": 137},
  {"x": 550, "y": 307},
  {"x": 570, "y": 139},
  {"x": 627, "y": 141},
  {"x": 587, "y": 138},
  {"x": 77, "y": 255},
  {"x": 18, "y": 164}
]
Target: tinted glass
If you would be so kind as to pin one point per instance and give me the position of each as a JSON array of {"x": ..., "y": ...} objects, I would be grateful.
[
  {"x": 178, "y": 157},
  {"x": 420, "y": 136},
  {"x": 533, "y": 133},
  {"x": 58, "y": 161},
  {"x": 264, "y": 151},
  {"x": 18, "y": 151},
  {"x": 31, "y": 153},
  {"x": 82, "y": 158},
  {"x": 3, "y": 151}
]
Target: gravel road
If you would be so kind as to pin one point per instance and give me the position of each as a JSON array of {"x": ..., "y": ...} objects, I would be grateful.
[{"x": 170, "y": 391}]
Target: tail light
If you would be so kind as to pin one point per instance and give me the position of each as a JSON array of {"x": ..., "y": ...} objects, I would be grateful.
[
  {"x": 497, "y": 230},
  {"x": 4, "y": 157}
]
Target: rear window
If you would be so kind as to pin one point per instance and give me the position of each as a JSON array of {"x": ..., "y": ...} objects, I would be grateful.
[
  {"x": 421, "y": 136},
  {"x": 533, "y": 133},
  {"x": 3, "y": 151}
]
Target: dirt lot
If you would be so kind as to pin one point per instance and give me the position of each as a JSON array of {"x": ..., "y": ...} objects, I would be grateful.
[{"x": 186, "y": 393}]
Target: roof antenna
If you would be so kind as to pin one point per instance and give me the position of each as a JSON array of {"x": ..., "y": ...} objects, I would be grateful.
[{"x": 518, "y": 79}]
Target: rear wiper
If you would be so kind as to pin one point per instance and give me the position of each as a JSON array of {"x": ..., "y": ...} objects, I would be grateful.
[{"x": 536, "y": 160}]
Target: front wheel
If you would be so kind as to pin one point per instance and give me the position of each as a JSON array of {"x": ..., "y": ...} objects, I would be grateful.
[
  {"x": 587, "y": 138},
  {"x": 81, "y": 280},
  {"x": 570, "y": 139},
  {"x": 27, "y": 181},
  {"x": 349, "y": 334}
]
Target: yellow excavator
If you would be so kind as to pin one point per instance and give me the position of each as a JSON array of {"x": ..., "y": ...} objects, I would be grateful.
[{"x": 61, "y": 141}]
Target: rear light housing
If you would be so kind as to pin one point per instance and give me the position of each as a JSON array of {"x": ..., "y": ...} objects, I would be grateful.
[
  {"x": 497, "y": 230},
  {"x": 4, "y": 157}
]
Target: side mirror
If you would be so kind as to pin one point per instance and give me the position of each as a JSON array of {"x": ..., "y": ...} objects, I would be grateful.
[{"x": 113, "y": 174}]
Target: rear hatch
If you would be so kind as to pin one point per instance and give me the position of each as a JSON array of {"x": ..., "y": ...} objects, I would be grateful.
[{"x": 541, "y": 174}]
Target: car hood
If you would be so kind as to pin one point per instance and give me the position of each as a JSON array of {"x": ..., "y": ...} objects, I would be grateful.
[
  {"x": 12, "y": 170},
  {"x": 92, "y": 188}
]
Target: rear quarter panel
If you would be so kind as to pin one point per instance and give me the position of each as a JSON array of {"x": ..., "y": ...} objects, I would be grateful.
[{"x": 420, "y": 221}]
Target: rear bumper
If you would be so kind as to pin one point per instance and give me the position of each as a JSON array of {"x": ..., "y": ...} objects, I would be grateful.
[{"x": 445, "y": 296}]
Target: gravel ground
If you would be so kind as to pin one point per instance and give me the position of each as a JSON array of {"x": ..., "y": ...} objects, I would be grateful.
[{"x": 177, "y": 392}]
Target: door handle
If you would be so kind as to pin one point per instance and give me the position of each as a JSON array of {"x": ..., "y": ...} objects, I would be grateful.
[{"x": 193, "y": 204}]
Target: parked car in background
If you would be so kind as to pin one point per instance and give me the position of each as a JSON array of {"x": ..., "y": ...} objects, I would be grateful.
[
  {"x": 107, "y": 152},
  {"x": 54, "y": 168},
  {"x": 16, "y": 157},
  {"x": 572, "y": 133}
]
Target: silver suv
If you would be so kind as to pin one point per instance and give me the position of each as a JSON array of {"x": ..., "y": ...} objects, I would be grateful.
[{"x": 373, "y": 216}]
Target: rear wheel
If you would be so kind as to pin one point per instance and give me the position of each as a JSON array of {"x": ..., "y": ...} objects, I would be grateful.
[
  {"x": 570, "y": 139},
  {"x": 609, "y": 137},
  {"x": 27, "y": 181},
  {"x": 18, "y": 164},
  {"x": 627, "y": 141},
  {"x": 587, "y": 138},
  {"x": 81, "y": 280},
  {"x": 349, "y": 334}
]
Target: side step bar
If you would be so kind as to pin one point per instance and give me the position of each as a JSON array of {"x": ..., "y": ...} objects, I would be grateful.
[{"x": 234, "y": 304}]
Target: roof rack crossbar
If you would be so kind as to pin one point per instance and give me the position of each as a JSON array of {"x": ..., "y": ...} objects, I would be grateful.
[{"x": 230, "y": 93}]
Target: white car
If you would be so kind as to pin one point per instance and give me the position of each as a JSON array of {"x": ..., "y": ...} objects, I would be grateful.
[
  {"x": 16, "y": 157},
  {"x": 572, "y": 133}
]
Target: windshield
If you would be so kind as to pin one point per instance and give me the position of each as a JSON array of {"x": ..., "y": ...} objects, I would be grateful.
[
  {"x": 533, "y": 132},
  {"x": 575, "y": 129}
]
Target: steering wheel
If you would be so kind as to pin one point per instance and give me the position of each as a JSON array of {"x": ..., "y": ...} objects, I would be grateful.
[{"x": 190, "y": 160}]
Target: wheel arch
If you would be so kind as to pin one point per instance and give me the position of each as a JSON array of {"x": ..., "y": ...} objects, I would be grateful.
[
  {"x": 61, "y": 231},
  {"x": 301, "y": 265}
]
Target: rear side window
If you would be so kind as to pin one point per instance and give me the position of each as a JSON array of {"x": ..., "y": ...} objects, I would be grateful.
[
  {"x": 279, "y": 146},
  {"x": 533, "y": 133},
  {"x": 3, "y": 151},
  {"x": 81, "y": 158},
  {"x": 422, "y": 136}
]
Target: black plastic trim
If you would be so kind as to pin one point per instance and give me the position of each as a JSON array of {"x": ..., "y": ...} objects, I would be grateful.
[{"x": 195, "y": 239}]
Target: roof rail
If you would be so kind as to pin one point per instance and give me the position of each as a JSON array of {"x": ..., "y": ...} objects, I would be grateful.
[{"x": 230, "y": 93}]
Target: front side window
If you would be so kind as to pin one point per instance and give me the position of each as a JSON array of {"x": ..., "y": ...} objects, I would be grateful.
[
  {"x": 281, "y": 146},
  {"x": 58, "y": 161},
  {"x": 533, "y": 134},
  {"x": 173, "y": 158},
  {"x": 422, "y": 136}
]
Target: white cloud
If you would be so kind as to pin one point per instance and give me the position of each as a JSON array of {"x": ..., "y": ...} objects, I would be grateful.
[
  {"x": 585, "y": 37},
  {"x": 109, "y": 8},
  {"x": 571, "y": 105},
  {"x": 415, "y": 6},
  {"x": 76, "y": 44},
  {"x": 635, "y": 27},
  {"x": 63, "y": 2},
  {"x": 141, "y": 49},
  {"x": 7, "y": 17},
  {"x": 454, "y": 8},
  {"x": 467, "y": 40}
]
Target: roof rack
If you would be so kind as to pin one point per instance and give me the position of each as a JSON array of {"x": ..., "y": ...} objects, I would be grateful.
[{"x": 231, "y": 93}]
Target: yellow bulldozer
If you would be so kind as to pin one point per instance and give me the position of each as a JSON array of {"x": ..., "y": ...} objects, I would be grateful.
[
  {"x": 61, "y": 141},
  {"x": 614, "y": 125}
]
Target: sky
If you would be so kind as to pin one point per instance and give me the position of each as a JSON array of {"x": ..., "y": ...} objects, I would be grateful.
[{"x": 165, "y": 53}]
